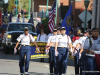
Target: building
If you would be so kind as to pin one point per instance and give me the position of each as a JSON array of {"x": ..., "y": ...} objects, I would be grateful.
[{"x": 63, "y": 6}]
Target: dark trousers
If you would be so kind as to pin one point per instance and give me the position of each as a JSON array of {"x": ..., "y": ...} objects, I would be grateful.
[
  {"x": 89, "y": 65},
  {"x": 95, "y": 67},
  {"x": 24, "y": 50},
  {"x": 61, "y": 61},
  {"x": 52, "y": 60},
  {"x": 76, "y": 62},
  {"x": 82, "y": 63}
]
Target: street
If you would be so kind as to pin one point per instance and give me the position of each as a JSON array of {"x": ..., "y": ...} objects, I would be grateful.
[{"x": 9, "y": 65}]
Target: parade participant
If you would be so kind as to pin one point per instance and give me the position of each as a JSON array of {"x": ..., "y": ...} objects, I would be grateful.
[
  {"x": 52, "y": 57},
  {"x": 81, "y": 52},
  {"x": 95, "y": 47},
  {"x": 58, "y": 31},
  {"x": 42, "y": 37},
  {"x": 61, "y": 51},
  {"x": 76, "y": 55},
  {"x": 89, "y": 57},
  {"x": 25, "y": 49},
  {"x": 76, "y": 37}
]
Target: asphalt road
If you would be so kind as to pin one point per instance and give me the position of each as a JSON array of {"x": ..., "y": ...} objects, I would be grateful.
[{"x": 9, "y": 65}]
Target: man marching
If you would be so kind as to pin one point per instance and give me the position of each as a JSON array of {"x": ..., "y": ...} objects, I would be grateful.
[{"x": 25, "y": 49}]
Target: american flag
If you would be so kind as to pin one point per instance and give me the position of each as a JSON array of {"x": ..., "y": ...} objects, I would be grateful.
[{"x": 52, "y": 15}]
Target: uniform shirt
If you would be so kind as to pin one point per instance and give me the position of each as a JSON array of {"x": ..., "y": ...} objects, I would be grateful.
[
  {"x": 63, "y": 40},
  {"x": 82, "y": 40},
  {"x": 76, "y": 37},
  {"x": 75, "y": 43},
  {"x": 50, "y": 34},
  {"x": 87, "y": 45},
  {"x": 25, "y": 40},
  {"x": 52, "y": 39},
  {"x": 42, "y": 38},
  {"x": 96, "y": 45}
]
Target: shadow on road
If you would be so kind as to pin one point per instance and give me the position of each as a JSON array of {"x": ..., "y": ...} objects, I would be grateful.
[{"x": 11, "y": 56}]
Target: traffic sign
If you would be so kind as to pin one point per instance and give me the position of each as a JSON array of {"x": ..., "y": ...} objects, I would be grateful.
[
  {"x": 82, "y": 16},
  {"x": 16, "y": 2}
]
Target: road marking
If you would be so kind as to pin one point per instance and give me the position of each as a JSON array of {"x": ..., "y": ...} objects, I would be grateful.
[{"x": 46, "y": 65}]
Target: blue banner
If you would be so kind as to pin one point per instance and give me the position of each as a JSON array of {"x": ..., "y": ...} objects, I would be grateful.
[
  {"x": 5, "y": 21},
  {"x": 67, "y": 21}
]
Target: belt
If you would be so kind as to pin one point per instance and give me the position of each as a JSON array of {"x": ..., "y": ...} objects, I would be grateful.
[
  {"x": 62, "y": 47},
  {"x": 25, "y": 45}
]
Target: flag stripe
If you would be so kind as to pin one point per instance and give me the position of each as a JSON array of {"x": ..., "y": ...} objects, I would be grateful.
[{"x": 51, "y": 23}]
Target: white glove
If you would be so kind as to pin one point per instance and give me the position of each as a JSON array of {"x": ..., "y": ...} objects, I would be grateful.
[
  {"x": 75, "y": 52},
  {"x": 47, "y": 52},
  {"x": 56, "y": 53},
  {"x": 72, "y": 54},
  {"x": 71, "y": 49},
  {"x": 15, "y": 50},
  {"x": 38, "y": 49},
  {"x": 79, "y": 55}
]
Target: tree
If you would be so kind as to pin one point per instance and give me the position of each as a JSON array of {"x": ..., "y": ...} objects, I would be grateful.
[{"x": 3, "y": 5}]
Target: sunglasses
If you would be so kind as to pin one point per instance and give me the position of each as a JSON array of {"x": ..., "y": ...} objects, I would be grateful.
[{"x": 95, "y": 31}]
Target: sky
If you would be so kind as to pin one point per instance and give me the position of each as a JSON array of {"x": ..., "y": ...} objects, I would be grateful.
[{"x": 6, "y": 1}]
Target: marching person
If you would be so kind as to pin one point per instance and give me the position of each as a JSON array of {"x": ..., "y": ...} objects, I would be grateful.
[
  {"x": 25, "y": 49},
  {"x": 50, "y": 34},
  {"x": 76, "y": 55},
  {"x": 81, "y": 51},
  {"x": 76, "y": 37},
  {"x": 61, "y": 51},
  {"x": 52, "y": 57},
  {"x": 87, "y": 49},
  {"x": 95, "y": 47},
  {"x": 58, "y": 31},
  {"x": 43, "y": 38}
]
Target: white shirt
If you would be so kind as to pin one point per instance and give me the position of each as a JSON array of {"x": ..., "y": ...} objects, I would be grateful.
[
  {"x": 42, "y": 38},
  {"x": 75, "y": 43},
  {"x": 25, "y": 40},
  {"x": 52, "y": 39},
  {"x": 63, "y": 40},
  {"x": 96, "y": 45},
  {"x": 87, "y": 45},
  {"x": 82, "y": 40},
  {"x": 50, "y": 34}
]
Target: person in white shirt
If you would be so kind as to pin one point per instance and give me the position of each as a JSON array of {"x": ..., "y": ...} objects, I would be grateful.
[
  {"x": 25, "y": 49},
  {"x": 52, "y": 57},
  {"x": 61, "y": 51},
  {"x": 58, "y": 31},
  {"x": 81, "y": 53},
  {"x": 42, "y": 38},
  {"x": 95, "y": 47}
]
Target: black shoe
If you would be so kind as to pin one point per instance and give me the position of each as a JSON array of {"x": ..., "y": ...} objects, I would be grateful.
[
  {"x": 26, "y": 74},
  {"x": 21, "y": 74}
]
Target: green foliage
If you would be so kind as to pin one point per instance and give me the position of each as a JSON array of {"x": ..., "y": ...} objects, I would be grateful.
[
  {"x": 25, "y": 16},
  {"x": 11, "y": 6},
  {"x": 3, "y": 6},
  {"x": 24, "y": 4},
  {"x": 45, "y": 23}
]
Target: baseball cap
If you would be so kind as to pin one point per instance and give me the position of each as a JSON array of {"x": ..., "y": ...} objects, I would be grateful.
[
  {"x": 81, "y": 34},
  {"x": 95, "y": 29},
  {"x": 63, "y": 28},
  {"x": 58, "y": 28},
  {"x": 55, "y": 30},
  {"x": 26, "y": 29}
]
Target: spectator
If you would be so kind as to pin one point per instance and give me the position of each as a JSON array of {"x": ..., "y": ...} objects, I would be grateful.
[{"x": 42, "y": 37}]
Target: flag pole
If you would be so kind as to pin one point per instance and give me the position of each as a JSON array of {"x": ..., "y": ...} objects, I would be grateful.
[
  {"x": 47, "y": 7},
  {"x": 56, "y": 12}
]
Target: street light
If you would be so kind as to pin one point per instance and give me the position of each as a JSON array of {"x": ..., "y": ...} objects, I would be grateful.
[
  {"x": 86, "y": 3},
  {"x": 29, "y": 9}
]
